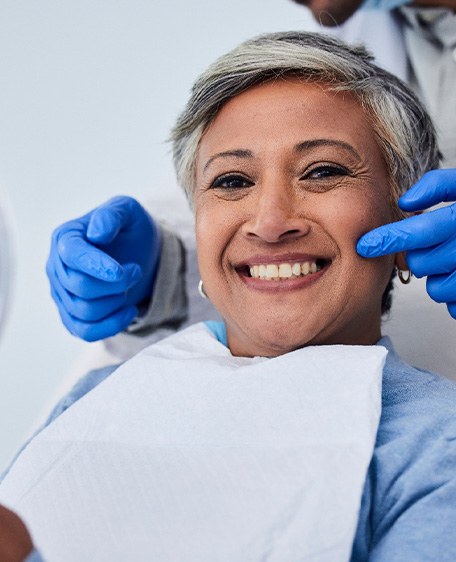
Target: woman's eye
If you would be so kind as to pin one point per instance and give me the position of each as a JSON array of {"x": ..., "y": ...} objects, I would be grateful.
[
  {"x": 232, "y": 181},
  {"x": 323, "y": 172}
]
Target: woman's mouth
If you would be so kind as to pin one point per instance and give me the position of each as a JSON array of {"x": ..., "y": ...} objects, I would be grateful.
[
  {"x": 286, "y": 273},
  {"x": 286, "y": 270}
]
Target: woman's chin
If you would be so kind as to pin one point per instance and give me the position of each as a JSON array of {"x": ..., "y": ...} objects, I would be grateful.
[
  {"x": 270, "y": 339},
  {"x": 271, "y": 335}
]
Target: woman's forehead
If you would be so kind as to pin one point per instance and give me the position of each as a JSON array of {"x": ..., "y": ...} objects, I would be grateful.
[{"x": 288, "y": 113}]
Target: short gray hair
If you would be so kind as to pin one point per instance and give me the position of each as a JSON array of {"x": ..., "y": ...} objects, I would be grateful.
[{"x": 402, "y": 126}]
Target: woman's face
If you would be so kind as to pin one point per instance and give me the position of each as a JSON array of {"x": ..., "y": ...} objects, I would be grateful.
[{"x": 289, "y": 176}]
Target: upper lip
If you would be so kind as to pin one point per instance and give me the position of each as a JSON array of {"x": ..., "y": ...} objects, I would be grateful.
[{"x": 280, "y": 258}]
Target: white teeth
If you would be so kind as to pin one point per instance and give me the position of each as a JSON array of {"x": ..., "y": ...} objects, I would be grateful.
[
  {"x": 285, "y": 270},
  {"x": 273, "y": 272}
]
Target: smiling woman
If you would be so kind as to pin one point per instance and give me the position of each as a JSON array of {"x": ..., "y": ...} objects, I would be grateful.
[
  {"x": 307, "y": 180},
  {"x": 261, "y": 437},
  {"x": 292, "y": 147}
]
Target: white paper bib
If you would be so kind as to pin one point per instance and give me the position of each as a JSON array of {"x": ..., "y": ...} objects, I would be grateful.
[{"x": 187, "y": 453}]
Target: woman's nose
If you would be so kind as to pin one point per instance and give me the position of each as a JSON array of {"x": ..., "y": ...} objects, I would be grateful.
[{"x": 276, "y": 217}]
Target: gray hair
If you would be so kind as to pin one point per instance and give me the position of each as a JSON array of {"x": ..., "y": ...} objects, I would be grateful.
[{"x": 402, "y": 126}]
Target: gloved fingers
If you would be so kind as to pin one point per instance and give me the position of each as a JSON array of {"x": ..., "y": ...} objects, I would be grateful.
[
  {"x": 437, "y": 260},
  {"x": 420, "y": 231},
  {"x": 89, "y": 310},
  {"x": 436, "y": 186},
  {"x": 109, "y": 219},
  {"x": 86, "y": 287},
  {"x": 79, "y": 255},
  {"x": 442, "y": 288},
  {"x": 94, "y": 331}
]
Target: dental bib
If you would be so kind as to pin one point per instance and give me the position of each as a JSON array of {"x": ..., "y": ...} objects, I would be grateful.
[{"x": 187, "y": 453}]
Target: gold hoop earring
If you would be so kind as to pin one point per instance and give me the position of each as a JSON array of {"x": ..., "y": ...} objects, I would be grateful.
[
  {"x": 201, "y": 290},
  {"x": 404, "y": 280}
]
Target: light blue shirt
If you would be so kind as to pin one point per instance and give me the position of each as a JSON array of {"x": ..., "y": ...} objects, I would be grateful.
[{"x": 408, "y": 508}]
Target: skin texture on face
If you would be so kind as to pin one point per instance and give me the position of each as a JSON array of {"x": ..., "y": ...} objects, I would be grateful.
[{"x": 289, "y": 172}]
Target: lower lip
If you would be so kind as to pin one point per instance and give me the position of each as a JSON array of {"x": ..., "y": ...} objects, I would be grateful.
[{"x": 291, "y": 284}]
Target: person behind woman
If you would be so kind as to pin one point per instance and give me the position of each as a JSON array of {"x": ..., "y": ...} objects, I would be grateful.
[{"x": 290, "y": 148}]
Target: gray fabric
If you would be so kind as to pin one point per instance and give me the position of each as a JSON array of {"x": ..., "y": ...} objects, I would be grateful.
[
  {"x": 430, "y": 38},
  {"x": 168, "y": 307}
]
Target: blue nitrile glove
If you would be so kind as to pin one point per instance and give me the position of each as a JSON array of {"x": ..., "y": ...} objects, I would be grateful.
[
  {"x": 429, "y": 239},
  {"x": 102, "y": 266}
]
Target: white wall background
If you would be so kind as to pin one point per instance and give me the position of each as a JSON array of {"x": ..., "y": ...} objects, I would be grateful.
[{"x": 88, "y": 92}]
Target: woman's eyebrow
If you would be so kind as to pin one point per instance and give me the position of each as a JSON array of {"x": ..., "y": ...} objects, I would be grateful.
[
  {"x": 238, "y": 153},
  {"x": 302, "y": 146},
  {"x": 315, "y": 143}
]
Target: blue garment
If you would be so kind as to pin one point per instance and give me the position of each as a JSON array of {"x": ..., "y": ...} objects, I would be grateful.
[
  {"x": 408, "y": 508},
  {"x": 218, "y": 330}
]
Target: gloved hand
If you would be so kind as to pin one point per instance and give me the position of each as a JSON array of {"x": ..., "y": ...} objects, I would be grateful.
[
  {"x": 429, "y": 239},
  {"x": 102, "y": 266}
]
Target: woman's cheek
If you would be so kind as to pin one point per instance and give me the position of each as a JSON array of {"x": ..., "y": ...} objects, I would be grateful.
[
  {"x": 212, "y": 236},
  {"x": 354, "y": 216}
]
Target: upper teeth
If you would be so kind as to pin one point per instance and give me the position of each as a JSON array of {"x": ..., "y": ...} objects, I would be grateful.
[{"x": 273, "y": 271}]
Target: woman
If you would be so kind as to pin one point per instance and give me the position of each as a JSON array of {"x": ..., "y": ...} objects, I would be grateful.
[{"x": 290, "y": 148}]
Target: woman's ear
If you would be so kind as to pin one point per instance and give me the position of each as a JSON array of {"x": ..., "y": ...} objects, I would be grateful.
[{"x": 400, "y": 262}]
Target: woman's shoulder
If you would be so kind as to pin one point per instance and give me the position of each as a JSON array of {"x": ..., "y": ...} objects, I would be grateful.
[
  {"x": 409, "y": 505},
  {"x": 416, "y": 439},
  {"x": 418, "y": 414},
  {"x": 416, "y": 393},
  {"x": 417, "y": 430}
]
